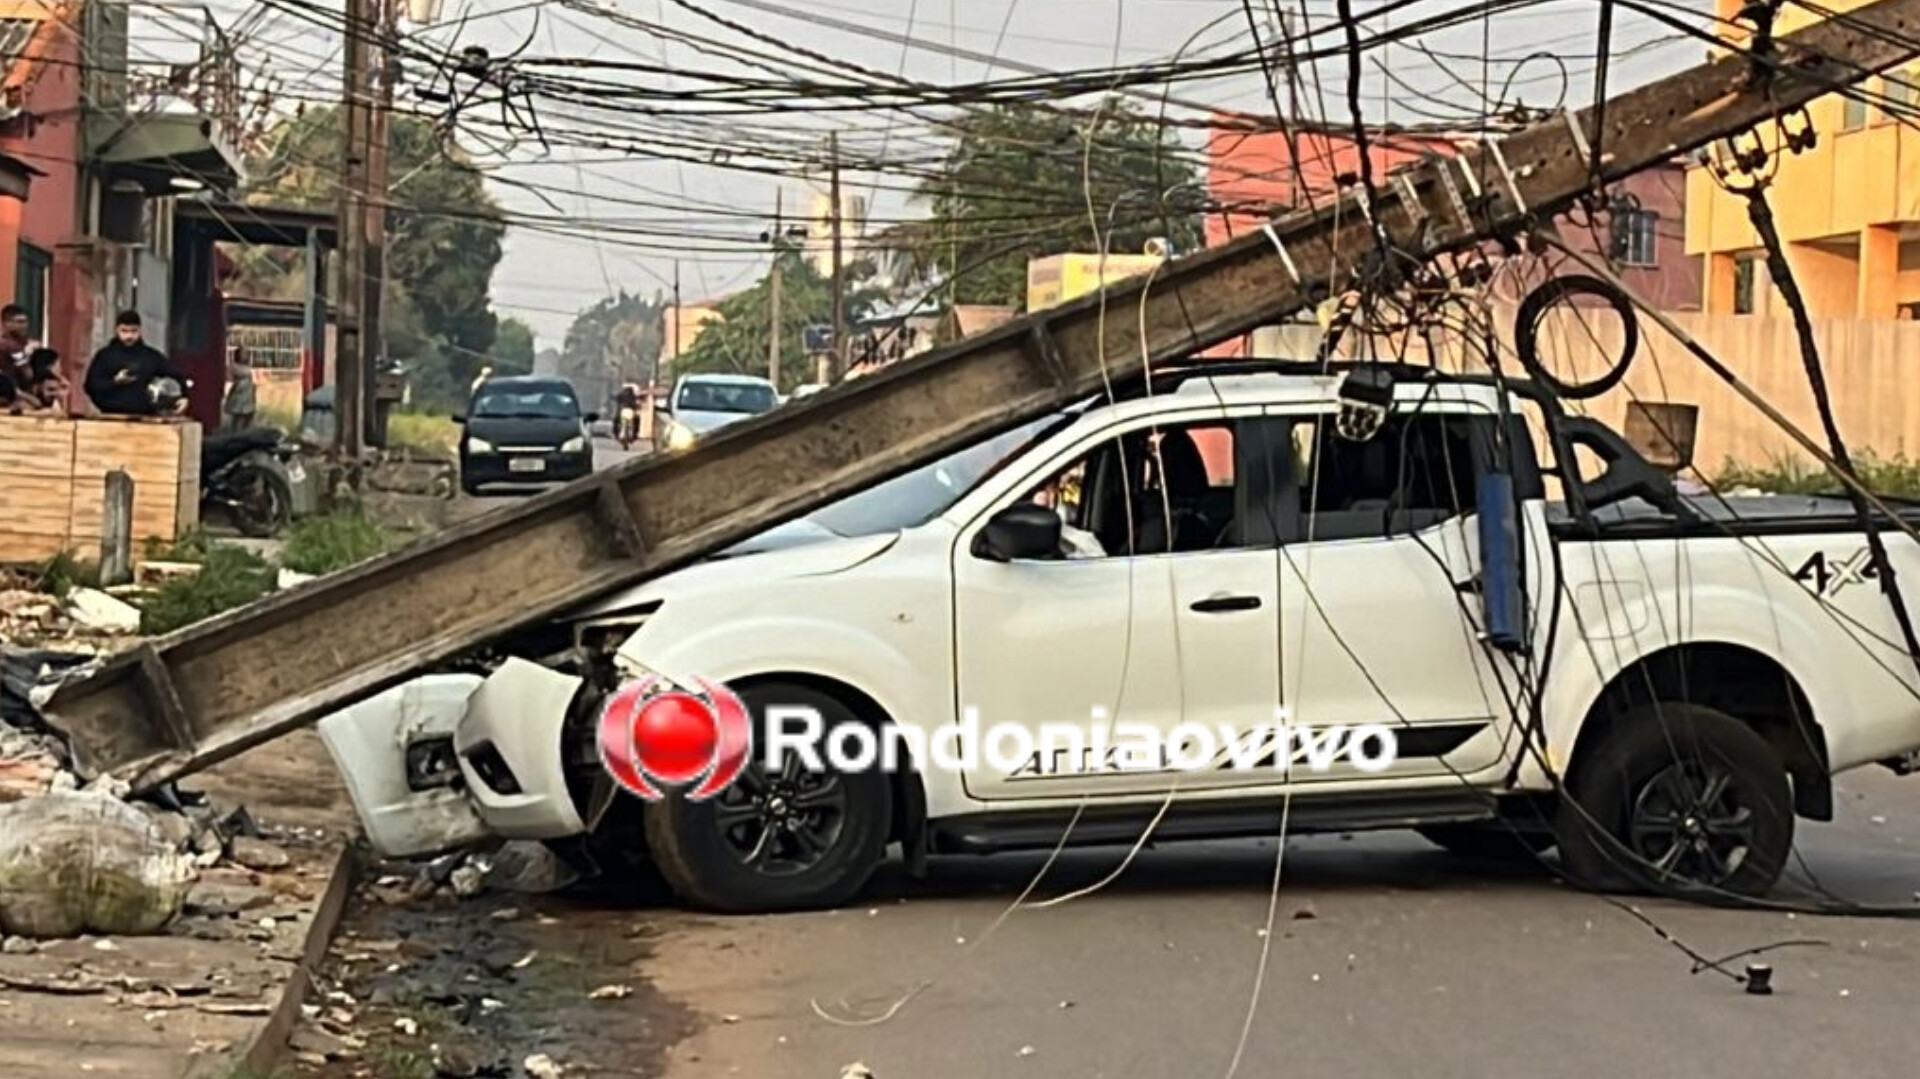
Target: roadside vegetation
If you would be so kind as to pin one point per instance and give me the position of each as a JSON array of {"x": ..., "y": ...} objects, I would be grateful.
[
  {"x": 1896, "y": 476},
  {"x": 424, "y": 434},
  {"x": 333, "y": 541},
  {"x": 227, "y": 575}
]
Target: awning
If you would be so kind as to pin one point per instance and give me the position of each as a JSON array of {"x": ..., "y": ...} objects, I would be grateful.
[
  {"x": 16, "y": 177},
  {"x": 165, "y": 153}
]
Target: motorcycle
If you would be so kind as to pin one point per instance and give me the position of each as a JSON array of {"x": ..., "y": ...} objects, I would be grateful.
[{"x": 250, "y": 474}]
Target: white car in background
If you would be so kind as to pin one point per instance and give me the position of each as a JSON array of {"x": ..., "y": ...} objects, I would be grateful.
[{"x": 708, "y": 402}]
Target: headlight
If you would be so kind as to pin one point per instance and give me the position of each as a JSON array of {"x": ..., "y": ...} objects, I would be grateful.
[
  {"x": 679, "y": 437},
  {"x": 478, "y": 445},
  {"x": 573, "y": 445}
]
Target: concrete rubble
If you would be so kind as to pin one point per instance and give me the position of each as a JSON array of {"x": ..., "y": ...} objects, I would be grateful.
[{"x": 80, "y": 858}]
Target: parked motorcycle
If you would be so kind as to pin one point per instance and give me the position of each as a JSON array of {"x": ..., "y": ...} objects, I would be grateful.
[{"x": 250, "y": 474}]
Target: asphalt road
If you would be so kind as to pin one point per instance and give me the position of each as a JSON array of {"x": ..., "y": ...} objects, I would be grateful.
[{"x": 1387, "y": 957}]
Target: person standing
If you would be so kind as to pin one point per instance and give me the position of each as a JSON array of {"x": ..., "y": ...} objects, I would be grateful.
[
  {"x": 121, "y": 377},
  {"x": 16, "y": 346},
  {"x": 238, "y": 408}
]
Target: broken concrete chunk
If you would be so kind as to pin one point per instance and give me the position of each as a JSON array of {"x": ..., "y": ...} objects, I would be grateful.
[
  {"x": 73, "y": 862},
  {"x": 259, "y": 854},
  {"x": 97, "y": 611},
  {"x": 466, "y": 881}
]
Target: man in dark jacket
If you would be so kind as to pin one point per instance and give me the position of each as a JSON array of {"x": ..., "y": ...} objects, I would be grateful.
[{"x": 120, "y": 378}]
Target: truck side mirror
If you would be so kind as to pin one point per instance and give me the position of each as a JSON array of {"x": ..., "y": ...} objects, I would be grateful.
[
  {"x": 1021, "y": 531},
  {"x": 1503, "y": 586}
]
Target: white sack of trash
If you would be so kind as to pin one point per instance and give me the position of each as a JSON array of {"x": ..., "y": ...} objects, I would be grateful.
[{"x": 75, "y": 862}]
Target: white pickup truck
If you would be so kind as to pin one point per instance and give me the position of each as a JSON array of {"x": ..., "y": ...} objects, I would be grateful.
[{"x": 1657, "y": 685}]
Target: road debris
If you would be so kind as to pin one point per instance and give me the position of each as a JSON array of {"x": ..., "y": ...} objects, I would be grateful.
[
  {"x": 74, "y": 862},
  {"x": 541, "y": 1066},
  {"x": 256, "y": 853},
  {"x": 611, "y": 992},
  {"x": 90, "y": 608}
]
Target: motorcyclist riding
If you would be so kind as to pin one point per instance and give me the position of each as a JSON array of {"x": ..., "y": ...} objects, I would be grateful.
[{"x": 627, "y": 417}]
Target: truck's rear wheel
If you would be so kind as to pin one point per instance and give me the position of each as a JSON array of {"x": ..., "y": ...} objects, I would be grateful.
[
  {"x": 791, "y": 840},
  {"x": 1697, "y": 799}
]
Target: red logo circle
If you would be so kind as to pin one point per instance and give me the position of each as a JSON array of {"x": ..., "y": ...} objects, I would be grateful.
[{"x": 651, "y": 735}]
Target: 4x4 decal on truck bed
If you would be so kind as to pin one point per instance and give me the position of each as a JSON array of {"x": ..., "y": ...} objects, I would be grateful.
[{"x": 1828, "y": 576}]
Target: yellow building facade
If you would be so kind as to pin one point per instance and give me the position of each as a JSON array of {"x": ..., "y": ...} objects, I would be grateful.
[
  {"x": 1058, "y": 278},
  {"x": 1848, "y": 210}
]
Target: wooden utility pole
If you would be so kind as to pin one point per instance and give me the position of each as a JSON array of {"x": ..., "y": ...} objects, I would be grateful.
[
  {"x": 654, "y": 378},
  {"x": 773, "y": 297},
  {"x": 837, "y": 364},
  {"x": 350, "y": 372},
  {"x": 373, "y": 305}
]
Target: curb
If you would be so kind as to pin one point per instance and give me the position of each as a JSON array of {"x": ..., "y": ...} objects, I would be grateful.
[{"x": 269, "y": 1039}]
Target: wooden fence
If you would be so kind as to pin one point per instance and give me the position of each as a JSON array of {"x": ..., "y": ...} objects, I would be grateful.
[{"x": 53, "y": 482}]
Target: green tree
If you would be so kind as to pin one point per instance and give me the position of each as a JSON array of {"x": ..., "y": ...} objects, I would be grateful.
[
  {"x": 736, "y": 342},
  {"x": 1016, "y": 183},
  {"x": 513, "y": 348},
  {"x": 615, "y": 340},
  {"x": 444, "y": 235}
]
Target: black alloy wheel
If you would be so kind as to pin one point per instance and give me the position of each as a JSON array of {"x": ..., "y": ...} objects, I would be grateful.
[
  {"x": 1688, "y": 823},
  {"x": 1680, "y": 800},
  {"x": 786, "y": 840},
  {"x": 784, "y": 824}
]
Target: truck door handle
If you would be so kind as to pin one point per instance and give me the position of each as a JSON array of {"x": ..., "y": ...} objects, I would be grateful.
[{"x": 1214, "y": 604}]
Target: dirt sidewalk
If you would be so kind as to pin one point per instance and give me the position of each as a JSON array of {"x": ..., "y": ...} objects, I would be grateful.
[{"x": 158, "y": 1007}]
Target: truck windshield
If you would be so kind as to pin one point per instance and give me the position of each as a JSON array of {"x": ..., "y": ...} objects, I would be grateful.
[
  {"x": 745, "y": 397},
  {"x": 916, "y": 497}
]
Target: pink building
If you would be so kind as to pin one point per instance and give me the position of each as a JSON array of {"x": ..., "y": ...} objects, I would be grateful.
[{"x": 1256, "y": 172}]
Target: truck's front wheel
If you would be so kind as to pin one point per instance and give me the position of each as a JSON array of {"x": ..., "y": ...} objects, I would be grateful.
[
  {"x": 1679, "y": 799},
  {"x": 789, "y": 839}
]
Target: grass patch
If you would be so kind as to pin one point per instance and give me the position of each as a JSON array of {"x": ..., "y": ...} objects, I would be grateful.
[
  {"x": 1896, "y": 476},
  {"x": 333, "y": 541},
  {"x": 286, "y": 419},
  {"x": 64, "y": 572},
  {"x": 436, "y": 436},
  {"x": 192, "y": 546},
  {"x": 229, "y": 577}
]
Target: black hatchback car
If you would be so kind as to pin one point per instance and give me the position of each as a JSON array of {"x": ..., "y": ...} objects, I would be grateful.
[{"x": 524, "y": 429}]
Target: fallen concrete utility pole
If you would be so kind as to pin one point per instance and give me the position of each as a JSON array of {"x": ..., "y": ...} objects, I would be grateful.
[{"x": 182, "y": 702}]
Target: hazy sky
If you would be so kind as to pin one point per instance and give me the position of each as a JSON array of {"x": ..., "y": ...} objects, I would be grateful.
[{"x": 546, "y": 277}]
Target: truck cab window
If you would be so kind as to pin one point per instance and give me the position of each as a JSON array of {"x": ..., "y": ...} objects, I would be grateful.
[
  {"x": 1418, "y": 471},
  {"x": 1152, "y": 491}
]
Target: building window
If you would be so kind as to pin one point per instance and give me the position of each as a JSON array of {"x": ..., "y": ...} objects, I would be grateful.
[
  {"x": 1636, "y": 237},
  {"x": 1853, "y": 114},
  {"x": 31, "y": 274},
  {"x": 1902, "y": 94},
  {"x": 1743, "y": 270}
]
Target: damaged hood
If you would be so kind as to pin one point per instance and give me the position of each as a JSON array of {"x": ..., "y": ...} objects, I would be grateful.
[{"x": 769, "y": 557}]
